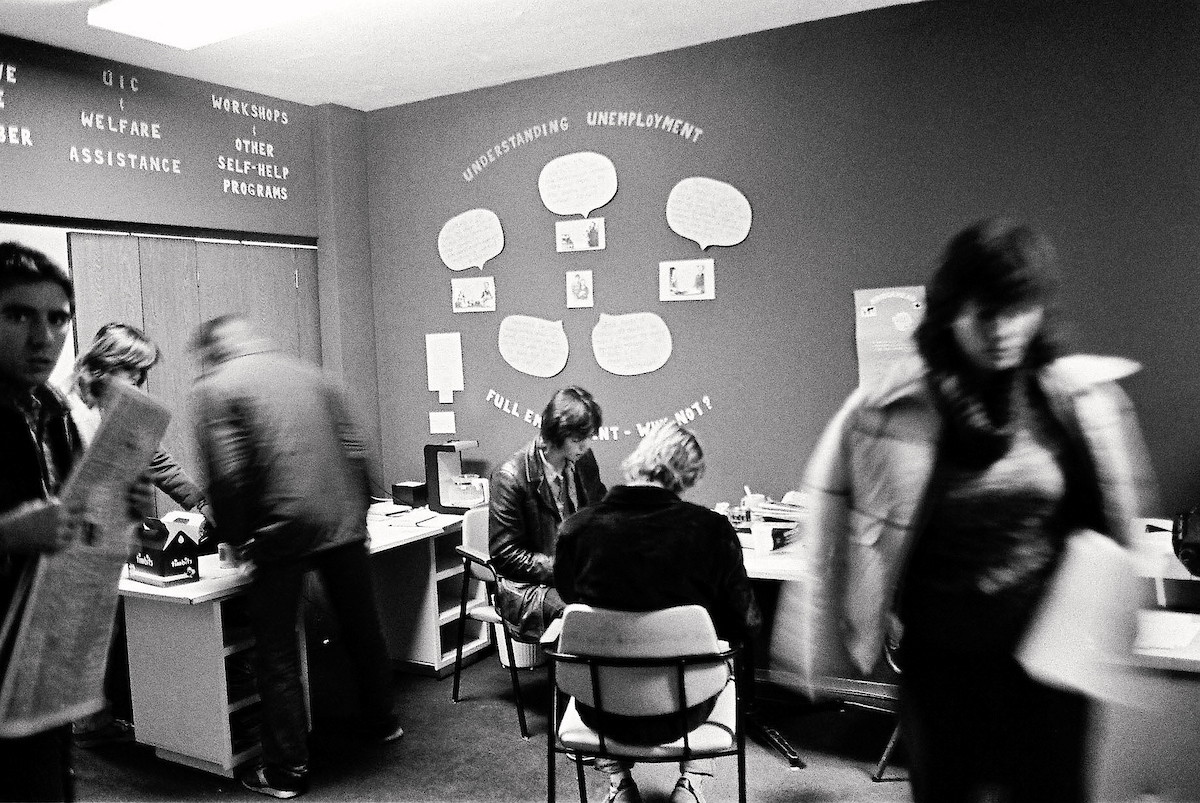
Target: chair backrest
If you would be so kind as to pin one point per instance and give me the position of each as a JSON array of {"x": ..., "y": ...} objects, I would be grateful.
[
  {"x": 475, "y": 541},
  {"x": 631, "y": 657}
]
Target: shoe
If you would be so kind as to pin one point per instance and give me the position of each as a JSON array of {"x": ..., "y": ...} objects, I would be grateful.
[
  {"x": 392, "y": 735},
  {"x": 627, "y": 792},
  {"x": 684, "y": 792},
  {"x": 283, "y": 784},
  {"x": 115, "y": 731}
]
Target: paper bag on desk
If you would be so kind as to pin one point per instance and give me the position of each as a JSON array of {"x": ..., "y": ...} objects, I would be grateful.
[
  {"x": 1082, "y": 634},
  {"x": 54, "y": 641}
]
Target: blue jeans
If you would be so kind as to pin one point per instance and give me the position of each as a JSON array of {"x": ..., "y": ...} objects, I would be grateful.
[
  {"x": 274, "y": 610},
  {"x": 696, "y": 766}
]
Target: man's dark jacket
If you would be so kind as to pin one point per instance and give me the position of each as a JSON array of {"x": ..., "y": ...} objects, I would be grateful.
[
  {"x": 523, "y": 528},
  {"x": 287, "y": 469},
  {"x": 21, "y": 475}
]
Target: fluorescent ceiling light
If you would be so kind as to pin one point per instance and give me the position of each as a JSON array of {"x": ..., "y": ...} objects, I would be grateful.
[{"x": 189, "y": 24}]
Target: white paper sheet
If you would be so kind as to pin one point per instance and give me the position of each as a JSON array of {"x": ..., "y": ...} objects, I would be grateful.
[
  {"x": 533, "y": 346},
  {"x": 709, "y": 212},
  {"x": 442, "y": 423},
  {"x": 628, "y": 345},
  {"x": 443, "y": 363},
  {"x": 577, "y": 183}
]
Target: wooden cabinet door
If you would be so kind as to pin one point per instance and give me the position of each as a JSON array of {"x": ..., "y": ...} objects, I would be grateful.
[{"x": 168, "y": 286}]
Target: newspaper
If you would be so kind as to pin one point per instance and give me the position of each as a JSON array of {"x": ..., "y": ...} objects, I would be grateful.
[{"x": 59, "y": 627}]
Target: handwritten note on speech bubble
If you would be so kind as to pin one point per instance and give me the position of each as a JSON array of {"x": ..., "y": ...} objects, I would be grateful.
[
  {"x": 470, "y": 239},
  {"x": 533, "y": 346},
  {"x": 577, "y": 183},
  {"x": 632, "y": 344},
  {"x": 708, "y": 211}
]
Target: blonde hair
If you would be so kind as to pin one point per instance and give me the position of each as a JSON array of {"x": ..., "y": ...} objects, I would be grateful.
[
  {"x": 117, "y": 346},
  {"x": 669, "y": 455}
]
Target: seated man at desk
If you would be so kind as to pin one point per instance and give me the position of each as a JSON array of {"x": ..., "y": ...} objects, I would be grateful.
[
  {"x": 642, "y": 549},
  {"x": 531, "y": 493}
]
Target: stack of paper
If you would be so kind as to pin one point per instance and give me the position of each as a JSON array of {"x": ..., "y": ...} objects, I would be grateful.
[
  {"x": 766, "y": 535},
  {"x": 779, "y": 511}
]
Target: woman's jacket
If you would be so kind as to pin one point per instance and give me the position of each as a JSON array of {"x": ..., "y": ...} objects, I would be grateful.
[{"x": 867, "y": 482}]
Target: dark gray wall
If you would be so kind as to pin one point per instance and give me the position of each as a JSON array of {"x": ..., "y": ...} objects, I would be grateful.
[{"x": 862, "y": 143}]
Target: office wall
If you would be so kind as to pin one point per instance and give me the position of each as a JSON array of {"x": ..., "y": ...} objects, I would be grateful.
[
  {"x": 862, "y": 143},
  {"x": 89, "y": 138}
]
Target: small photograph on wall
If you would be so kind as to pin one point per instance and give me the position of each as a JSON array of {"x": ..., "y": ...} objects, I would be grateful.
[
  {"x": 579, "y": 289},
  {"x": 579, "y": 235},
  {"x": 686, "y": 280},
  {"x": 477, "y": 294}
]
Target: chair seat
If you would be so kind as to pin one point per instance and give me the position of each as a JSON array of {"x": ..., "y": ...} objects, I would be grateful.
[
  {"x": 714, "y": 735},
  {"x": 484, "y": 613}
]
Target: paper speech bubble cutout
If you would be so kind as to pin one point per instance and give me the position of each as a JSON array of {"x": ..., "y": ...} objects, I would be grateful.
[
  {"x": 708, "y": 211},
  {"x": 470, "y": 239},
  {"x": 577, "y": 183},
  {"x": 632, "y": 344},
  {"x": 533, "y": 346}
]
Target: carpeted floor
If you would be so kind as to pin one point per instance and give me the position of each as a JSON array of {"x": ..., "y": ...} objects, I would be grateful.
[{"x": 472, "y": 751}]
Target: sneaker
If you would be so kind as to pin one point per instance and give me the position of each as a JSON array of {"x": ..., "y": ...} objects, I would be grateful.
[
  {"x": 684, "y": 792},
  {"x": 115, "y": 731},
  {"x": 627, "y": 792},
  {"x": 392, "y": 735},
  {"x": 283, "y": 784}
]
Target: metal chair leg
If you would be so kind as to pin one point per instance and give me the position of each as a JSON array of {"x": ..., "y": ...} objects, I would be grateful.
[
  {"x": 887, "y": 754},
  {"x": 551, "y": 738},
  {"x": 516, "y": 684},
  {"x": 462, "y": 631},
  {"x": 578, "y": 761}
]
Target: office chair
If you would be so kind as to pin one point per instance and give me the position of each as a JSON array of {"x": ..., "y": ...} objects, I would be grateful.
[
  {"x": 882, "y": 695},
  {"x": 643, "y": 664},
  {"x": 478, "y": 565}
]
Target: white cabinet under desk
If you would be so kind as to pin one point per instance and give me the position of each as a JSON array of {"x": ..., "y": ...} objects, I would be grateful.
[
  {"x": 189, "y": 656},
  {"x": 190, "y": 645},
  {"x": 418, "y": 581}
]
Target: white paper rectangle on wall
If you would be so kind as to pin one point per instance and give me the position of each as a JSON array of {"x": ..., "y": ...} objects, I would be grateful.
[
  {"x": 579, "y": 289},
  {"x": 475, "y": 294},
  {"x": 884, "y": 321},
  {"x": 443, "y": 363},
  {"x": 579, "y": 235},
  {"x": 687, "y": 280},
  {"x": 442, "y": 423}
]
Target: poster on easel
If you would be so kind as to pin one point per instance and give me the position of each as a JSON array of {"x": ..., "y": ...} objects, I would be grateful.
[
  {"x": 56, "y": 636},
  {"x": 885, "y": 320}
]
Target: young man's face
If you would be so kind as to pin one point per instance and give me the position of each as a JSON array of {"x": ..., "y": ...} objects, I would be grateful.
[{"x": 34, "y": 321}]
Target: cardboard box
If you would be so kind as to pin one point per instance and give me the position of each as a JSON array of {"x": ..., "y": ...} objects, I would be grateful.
[
  {"x": 411, "y": 493},
  {"x": 166, "y": 555}
]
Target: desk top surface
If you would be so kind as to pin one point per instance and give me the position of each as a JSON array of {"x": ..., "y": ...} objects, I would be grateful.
[{"x": 388, "y": 527}]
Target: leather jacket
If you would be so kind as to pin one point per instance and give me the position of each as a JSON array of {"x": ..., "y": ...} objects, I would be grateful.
[
  {"x": 524, "y": 518},
  {"x": 523, "y": 526}
]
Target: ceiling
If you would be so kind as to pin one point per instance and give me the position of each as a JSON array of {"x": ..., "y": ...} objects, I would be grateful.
[{"x": 371, "y": 54}]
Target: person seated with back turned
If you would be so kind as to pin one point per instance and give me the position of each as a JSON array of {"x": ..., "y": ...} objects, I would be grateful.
[
  {"x": 531, "y": 493},
  {"x": 642, "y": 548}
]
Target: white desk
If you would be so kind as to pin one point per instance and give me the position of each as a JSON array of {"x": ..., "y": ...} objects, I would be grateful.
[
  {"x": 1167, "y": 639},
  {"x": 785, "y": 563},
  {"x": 189, "y": 643}
]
